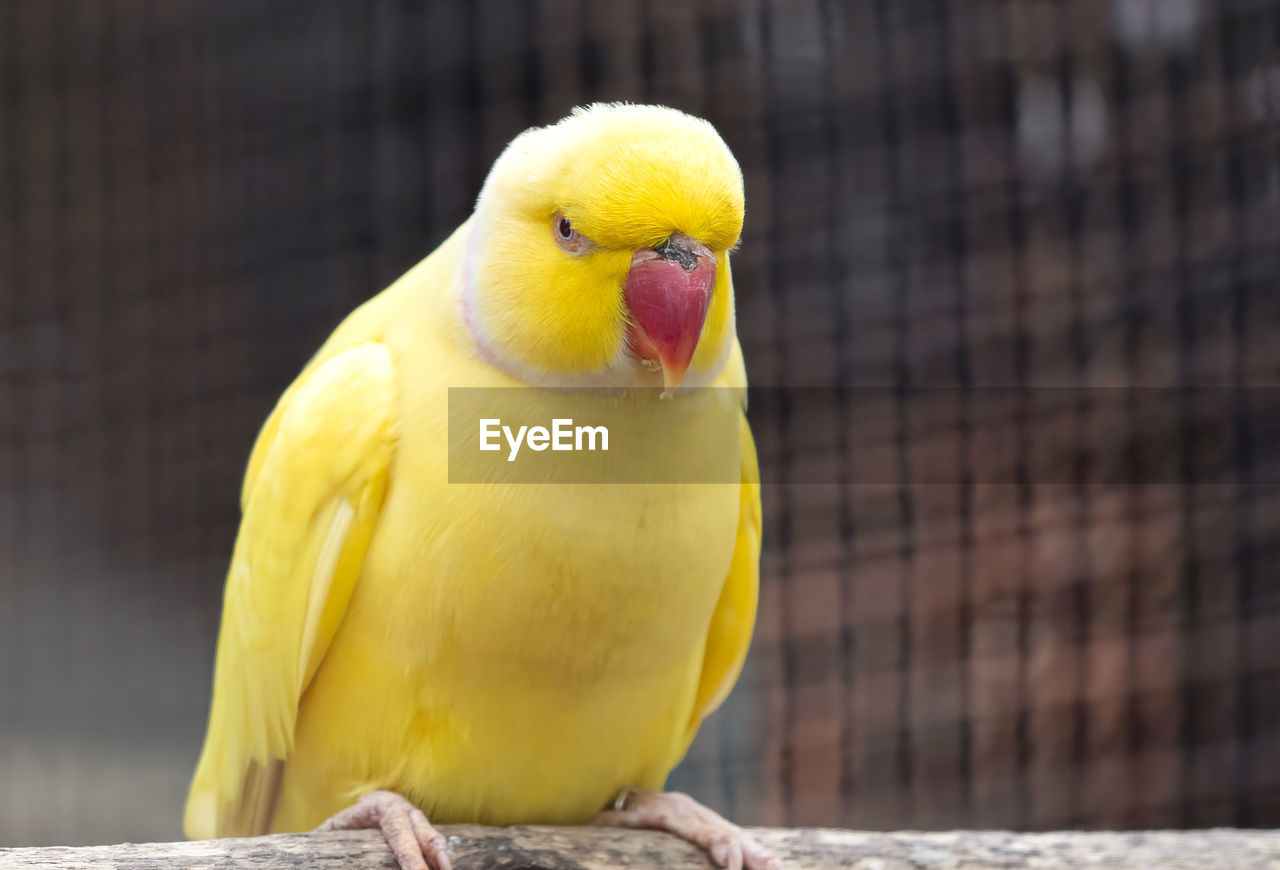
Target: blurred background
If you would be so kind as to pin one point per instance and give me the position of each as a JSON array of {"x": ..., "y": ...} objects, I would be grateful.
[{"x": 943, "y": 196}]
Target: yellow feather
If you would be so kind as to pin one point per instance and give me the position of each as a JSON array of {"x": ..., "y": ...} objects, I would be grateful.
[
  {"x": 730, "y": 631},
  {"x": 295, "y": 563}
]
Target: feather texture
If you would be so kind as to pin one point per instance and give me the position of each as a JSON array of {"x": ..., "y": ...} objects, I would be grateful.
[{"x": 316, "y": 481}]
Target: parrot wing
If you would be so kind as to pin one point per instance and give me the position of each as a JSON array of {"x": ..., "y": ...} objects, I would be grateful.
[
  {"x": 311, "y": 500},
  {"x": 729, "y": 633}
]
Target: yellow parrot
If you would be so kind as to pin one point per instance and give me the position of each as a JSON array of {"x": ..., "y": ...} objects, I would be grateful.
[{"x": 397, "y": 649}]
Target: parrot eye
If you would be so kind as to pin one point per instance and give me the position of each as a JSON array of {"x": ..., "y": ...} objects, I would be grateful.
[{"x": 566, "y": 236}]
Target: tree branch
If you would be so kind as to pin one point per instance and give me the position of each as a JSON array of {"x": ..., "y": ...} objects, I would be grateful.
[{"x": 540, "y": 848}]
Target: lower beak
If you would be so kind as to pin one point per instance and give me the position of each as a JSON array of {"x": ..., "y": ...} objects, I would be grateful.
[{"x": 668, "y": 292}]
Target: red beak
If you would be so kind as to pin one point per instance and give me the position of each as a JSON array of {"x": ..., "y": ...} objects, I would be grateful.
[{"x": 668, "y": 291}]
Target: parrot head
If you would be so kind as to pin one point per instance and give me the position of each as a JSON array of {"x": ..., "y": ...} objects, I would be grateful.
[{"x": 598, "y": 254}]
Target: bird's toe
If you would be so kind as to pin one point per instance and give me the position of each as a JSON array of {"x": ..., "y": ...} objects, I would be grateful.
[
  {"x": 415, "y": 843},
  {"x": 726, "y": 843}
]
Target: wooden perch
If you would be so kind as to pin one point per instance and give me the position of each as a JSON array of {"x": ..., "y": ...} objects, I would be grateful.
[{"x": 474, "y": 847}]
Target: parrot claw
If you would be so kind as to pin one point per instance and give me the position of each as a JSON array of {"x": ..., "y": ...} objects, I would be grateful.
[
  {"x": 417, "y": 845},
  {"x": 729, "y": 846}
]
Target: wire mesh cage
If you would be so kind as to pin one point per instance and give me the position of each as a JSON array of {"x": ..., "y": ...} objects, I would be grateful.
[{"x": 1013, "y": 576}]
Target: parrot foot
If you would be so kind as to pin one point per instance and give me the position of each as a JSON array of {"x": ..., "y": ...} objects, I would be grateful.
[
  {"x": 729, "y": 846},
  {"x": 417, "y": 845}
]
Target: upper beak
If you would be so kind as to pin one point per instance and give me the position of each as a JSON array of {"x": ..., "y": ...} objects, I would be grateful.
[{"x": 668, "y": 292}]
